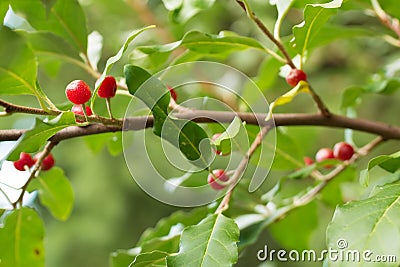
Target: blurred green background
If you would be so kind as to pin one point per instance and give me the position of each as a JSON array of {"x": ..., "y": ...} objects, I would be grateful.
[{"x": 111, "y": 211}]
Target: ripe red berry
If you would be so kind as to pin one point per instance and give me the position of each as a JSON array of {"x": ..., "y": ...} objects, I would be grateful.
[
  {"x": 173, "y": 93},
  {"x": 308, "y": 161},
  {"x": 24, "y": 160},
  {"x": 77, "y": 109},
  {"x": 78, "y": 92},
  {"x": 108, "y": 87},
  {"x": 217, "y": 175},
  {"x": 323, "y": 154},
  {"x": 343, "y": 151},
  {"x": 48, "y": 161},
  {"x": 295, "y": 76}
]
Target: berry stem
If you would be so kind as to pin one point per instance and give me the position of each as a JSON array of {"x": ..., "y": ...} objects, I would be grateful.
[
  {"x": 84, "y": 112},
  {"x": 108, "y": 103}
]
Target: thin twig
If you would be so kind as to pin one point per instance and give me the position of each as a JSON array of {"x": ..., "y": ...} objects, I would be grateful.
[
  {"x": 391, "y": 23},
  {"x": 242, "y": 167},
  {"x": 36, "y": 168},
  {"x": 265, "y": 30}
]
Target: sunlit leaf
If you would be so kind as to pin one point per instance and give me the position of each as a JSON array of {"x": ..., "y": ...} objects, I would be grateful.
[
  {"x": 55, "y": 192},
  {"x": 371, "y": 224},
  {"x": 315, "y": 16},
  {"x": 212, "y": 242}
]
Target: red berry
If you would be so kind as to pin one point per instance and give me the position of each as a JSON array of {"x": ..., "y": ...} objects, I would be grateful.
[
  {"x": 173, "y": 93},
  {"x": 295, "y": 76},
  {"x": 48, "y": 161},
  {"x": 308, "y": 161},
  {"x": 108, "y": 87},
  {"x": 78, "y": 92},
  {"x": 216, "y": 175},
  {"x": 24, "y": 160},
  {"x": 323, "y": 154},
  {"x": 77, "y": 109},
  {"x": 343, "y": 151}
]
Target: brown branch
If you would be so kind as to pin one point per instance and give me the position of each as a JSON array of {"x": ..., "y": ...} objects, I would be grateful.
[
  {"x": 201, "y": 116},
  {"x": 392, "y": 23},
  {"x": 242, "y": 166},
  {"x": 265, "y": 30}
]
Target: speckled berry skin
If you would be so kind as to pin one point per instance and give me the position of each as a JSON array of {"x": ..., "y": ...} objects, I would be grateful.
[
  {"x": 218, "y": 174},
  {"x": 295, "y": 76},
  {"x": 78, "y": 92},
  {"x": 77, "y": 109},
  {"x": 108, "y": 87},
  {"x": 343, "y": 151},
  {"x": 48, "y": 161},
  {"x": 24, "y": 160}
]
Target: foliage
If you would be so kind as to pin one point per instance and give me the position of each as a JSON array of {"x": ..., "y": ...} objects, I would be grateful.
[{"x": 352, "y": 204}]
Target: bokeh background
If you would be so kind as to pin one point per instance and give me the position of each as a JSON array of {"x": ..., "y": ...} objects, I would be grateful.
[{"x": 111, "y": 211}]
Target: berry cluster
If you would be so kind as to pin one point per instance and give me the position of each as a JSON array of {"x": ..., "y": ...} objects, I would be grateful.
[
  {"x": 25, "y": 162},
  {"x": 78, "y": 92},
  {"x": 341, "y": 151}
]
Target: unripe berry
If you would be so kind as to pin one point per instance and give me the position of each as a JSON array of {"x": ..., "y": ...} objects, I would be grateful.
[
  {"x": 48, "y": 161},
  {"x": 173, "y": 93},
  {"x": 24, "y": 160},
  {"x": 77, "y": 109},
  {"x": 323, "y": 154},
  {"x": 343, "y": 151},
  {"x": 308, "y": 161},
  {"x": 217, "y": 175},
  {"x": 78, "y": 92},
  {"x": 108, "y": 87},
  {"x": 295, "y": 76}
]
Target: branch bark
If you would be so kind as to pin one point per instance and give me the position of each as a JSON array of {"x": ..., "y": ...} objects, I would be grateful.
[{"x": 201, "y": 116}]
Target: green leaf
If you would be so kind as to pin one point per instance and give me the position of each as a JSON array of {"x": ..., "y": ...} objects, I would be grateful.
[
  {"x": 55, "y": 192},
  {"x": 372, "y": 224},
  {"x": 154, "y": 258},
  {"x": 212, "y": 242},
  {"x": 33, "y": 139},
  {"x": 123, "y": 257},
  {"x": 222, "y": 44},
  {"x": 232, "y": 138},
  {"x": 183, "y": 10},
  {"x": 18, "y": 67},
  {"x": 390, "y": 163},
  {"x": 114, "y": 59},
  {"x": 315, "y": 16},
  {"x": 287, "y": 154},
  {"x": 95, "y": 46},
  {"x": 282, "y": 7},
  {"x": 22, "y": 239},
  {"x": 65, "y": 18},
  {"x": 163, "y": 227},
  {"x": 183, "y": 134},
  {"x": 351, "y": 97},
  {"x": 48, "y": 46},
  {"x": 154, "y": 56}
]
